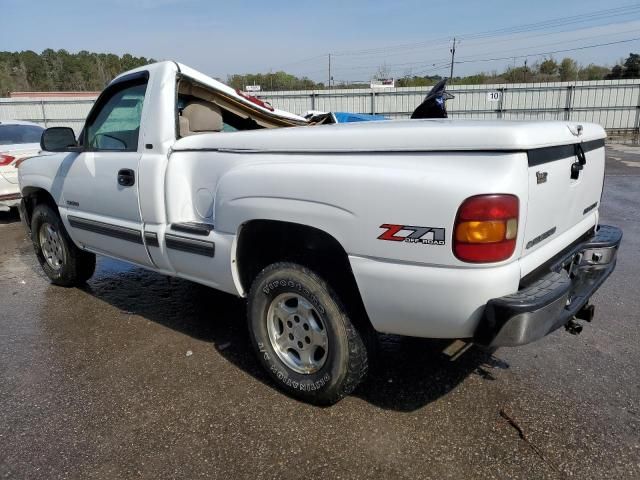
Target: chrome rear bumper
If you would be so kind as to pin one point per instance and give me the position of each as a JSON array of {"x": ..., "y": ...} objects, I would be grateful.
[{"x": 554, "y": 299}]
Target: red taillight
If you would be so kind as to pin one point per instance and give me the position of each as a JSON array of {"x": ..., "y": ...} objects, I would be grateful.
[
  {"x": 6, "y": 159},
  {"x": 255, "y": 100},
  {"x": 486, "y": 228}
]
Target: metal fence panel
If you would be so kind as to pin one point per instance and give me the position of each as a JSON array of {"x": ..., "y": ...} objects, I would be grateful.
[{"x": 49, "y": 113}]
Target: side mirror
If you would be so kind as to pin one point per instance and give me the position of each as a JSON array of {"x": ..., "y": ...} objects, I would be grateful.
[{"x": 58, "y": 139}]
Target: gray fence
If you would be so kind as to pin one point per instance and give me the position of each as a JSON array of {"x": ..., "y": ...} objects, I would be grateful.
[
  {"x": 49, "y": 112},
  {"x": 615, "y": 104}
]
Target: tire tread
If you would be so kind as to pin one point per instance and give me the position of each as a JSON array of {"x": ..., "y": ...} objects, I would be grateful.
[
  {"x": 80, "y": 265},
  {"x": 357, "y": 365}
]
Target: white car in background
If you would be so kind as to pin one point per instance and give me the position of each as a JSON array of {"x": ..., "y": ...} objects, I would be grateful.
[{"x": 18, "y": 141}]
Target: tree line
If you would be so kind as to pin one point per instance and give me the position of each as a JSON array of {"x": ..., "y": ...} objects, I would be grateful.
[
  {"x": 59, "y": 70},
  {"x": 273, "y": 81},
  {"x": 547, "y": 70}
]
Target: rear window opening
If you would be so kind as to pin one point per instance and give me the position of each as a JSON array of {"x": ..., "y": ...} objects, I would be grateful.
[
  {"x": 14, "y": 134},
  {"x": 200, "y": 109},
  {"x": 230, "y": 121}
]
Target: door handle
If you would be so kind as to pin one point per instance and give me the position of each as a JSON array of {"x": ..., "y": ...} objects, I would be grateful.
[{"x": 126, "y": 177}]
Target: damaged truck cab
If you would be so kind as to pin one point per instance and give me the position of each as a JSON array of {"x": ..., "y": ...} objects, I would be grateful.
[{"x": 480, "y": 230}]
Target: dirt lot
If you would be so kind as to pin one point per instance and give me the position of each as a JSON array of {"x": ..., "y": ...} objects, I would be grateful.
[{"x": 137, "y": 375}]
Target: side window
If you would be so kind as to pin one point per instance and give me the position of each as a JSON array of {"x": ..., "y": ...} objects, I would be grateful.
[{"x": 117, "y": 125}]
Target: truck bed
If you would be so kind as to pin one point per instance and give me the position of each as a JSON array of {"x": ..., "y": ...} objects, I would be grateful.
[{"x": 401, "y": 136}]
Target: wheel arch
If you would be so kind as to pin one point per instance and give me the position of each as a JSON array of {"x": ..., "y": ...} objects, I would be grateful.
[
  {"x": 261, "y": 242},
  {"x": 33, "y": 196}
]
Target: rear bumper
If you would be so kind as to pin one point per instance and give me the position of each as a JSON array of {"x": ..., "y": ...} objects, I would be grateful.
[{"x": 551, "y": 301}]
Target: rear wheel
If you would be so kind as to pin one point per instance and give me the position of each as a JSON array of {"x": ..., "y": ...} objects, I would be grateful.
[
  {"x": 303, "y": 336},
  {"x": 63, "y": 262}
]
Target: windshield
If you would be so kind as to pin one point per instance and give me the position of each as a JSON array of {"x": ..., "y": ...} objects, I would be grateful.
[{"x": 16, "y": 134}]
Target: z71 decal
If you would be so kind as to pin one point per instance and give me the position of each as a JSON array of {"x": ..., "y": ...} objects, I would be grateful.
[{"x": 412, "y": 234}]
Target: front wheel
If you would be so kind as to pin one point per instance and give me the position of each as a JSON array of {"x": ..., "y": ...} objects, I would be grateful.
[
  {"x": 303, "y": 336},
  {"x": 63, "y": 262}
]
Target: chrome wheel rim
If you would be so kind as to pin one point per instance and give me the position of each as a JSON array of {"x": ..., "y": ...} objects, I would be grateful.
[
  {"x": 297, "y": 333},
  {"x": 51, "y": 246}
]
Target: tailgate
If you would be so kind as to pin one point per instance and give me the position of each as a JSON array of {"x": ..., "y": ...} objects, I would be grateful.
[{"x": 565, "y": 186}]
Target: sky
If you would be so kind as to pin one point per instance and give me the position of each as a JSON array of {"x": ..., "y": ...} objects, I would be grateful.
[{"x": 404, "y": 37}]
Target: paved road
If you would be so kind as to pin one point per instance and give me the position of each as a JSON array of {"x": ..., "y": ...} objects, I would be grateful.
[{"x": 141, "y": 376}]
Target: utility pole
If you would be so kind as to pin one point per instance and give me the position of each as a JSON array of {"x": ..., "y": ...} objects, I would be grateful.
[
  {"x": 329, "y": 71},
  {"x": 453, "y": 56}
]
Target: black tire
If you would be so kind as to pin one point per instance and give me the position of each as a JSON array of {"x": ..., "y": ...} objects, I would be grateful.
[
  {"x": 75, "y": 266},
  {"x": 345, "y": 361}
]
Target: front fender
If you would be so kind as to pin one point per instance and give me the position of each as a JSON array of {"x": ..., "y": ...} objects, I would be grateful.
[{"x": 45, "y": 172}]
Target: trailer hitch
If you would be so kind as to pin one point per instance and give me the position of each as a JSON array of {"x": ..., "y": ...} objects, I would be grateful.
[
  {"x": 586, "y": 313},
  {"x": 573, "y": 327}
]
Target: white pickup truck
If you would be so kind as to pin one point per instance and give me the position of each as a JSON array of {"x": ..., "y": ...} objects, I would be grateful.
[{"x": 478, "y": 230}]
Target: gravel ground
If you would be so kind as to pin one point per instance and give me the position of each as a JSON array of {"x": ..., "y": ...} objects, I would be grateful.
[{"x": 138, "y": 375}]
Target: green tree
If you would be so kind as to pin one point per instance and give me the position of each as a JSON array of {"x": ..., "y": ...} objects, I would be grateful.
[
  {"x": 477, "y": 79},
  {"x": 593, "y": 72},
  {"x": 417, "y": 81},
  {"x": 568, "y": 69},
  {"x": 632, "y": 66},
  {"x": 272, "y": 81},
  {"x": 61, "y": 70},
  {"x": 517, "y": 75},
  {"x": 616, "y": 73},
  {"x": 548, "y": 67}
]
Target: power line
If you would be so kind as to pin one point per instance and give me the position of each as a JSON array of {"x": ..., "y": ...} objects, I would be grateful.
[
  {"x": 513, "y": 57},
  {"x": 607, "y": 13},
  {"x": 553, "y": 43},
  {"x": 549, "y": 53},
  {"x": 407, "y": 64},
  {"x": 502, "y": 32},
  {"x": 518, "y": 37},
  {"x": 304, "y": 60},
  {"x": 432, "y": 69},
  {"x": 473, "y": 43},
  {"x": 470, "y": 57},
  {"x": 562, "y": 21}
]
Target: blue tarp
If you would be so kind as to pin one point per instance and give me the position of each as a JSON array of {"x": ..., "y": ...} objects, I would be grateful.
[{"x": 346, "y": 117}]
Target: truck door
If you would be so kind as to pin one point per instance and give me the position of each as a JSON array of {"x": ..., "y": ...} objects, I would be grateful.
[{"x": 100, "y": 191}]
